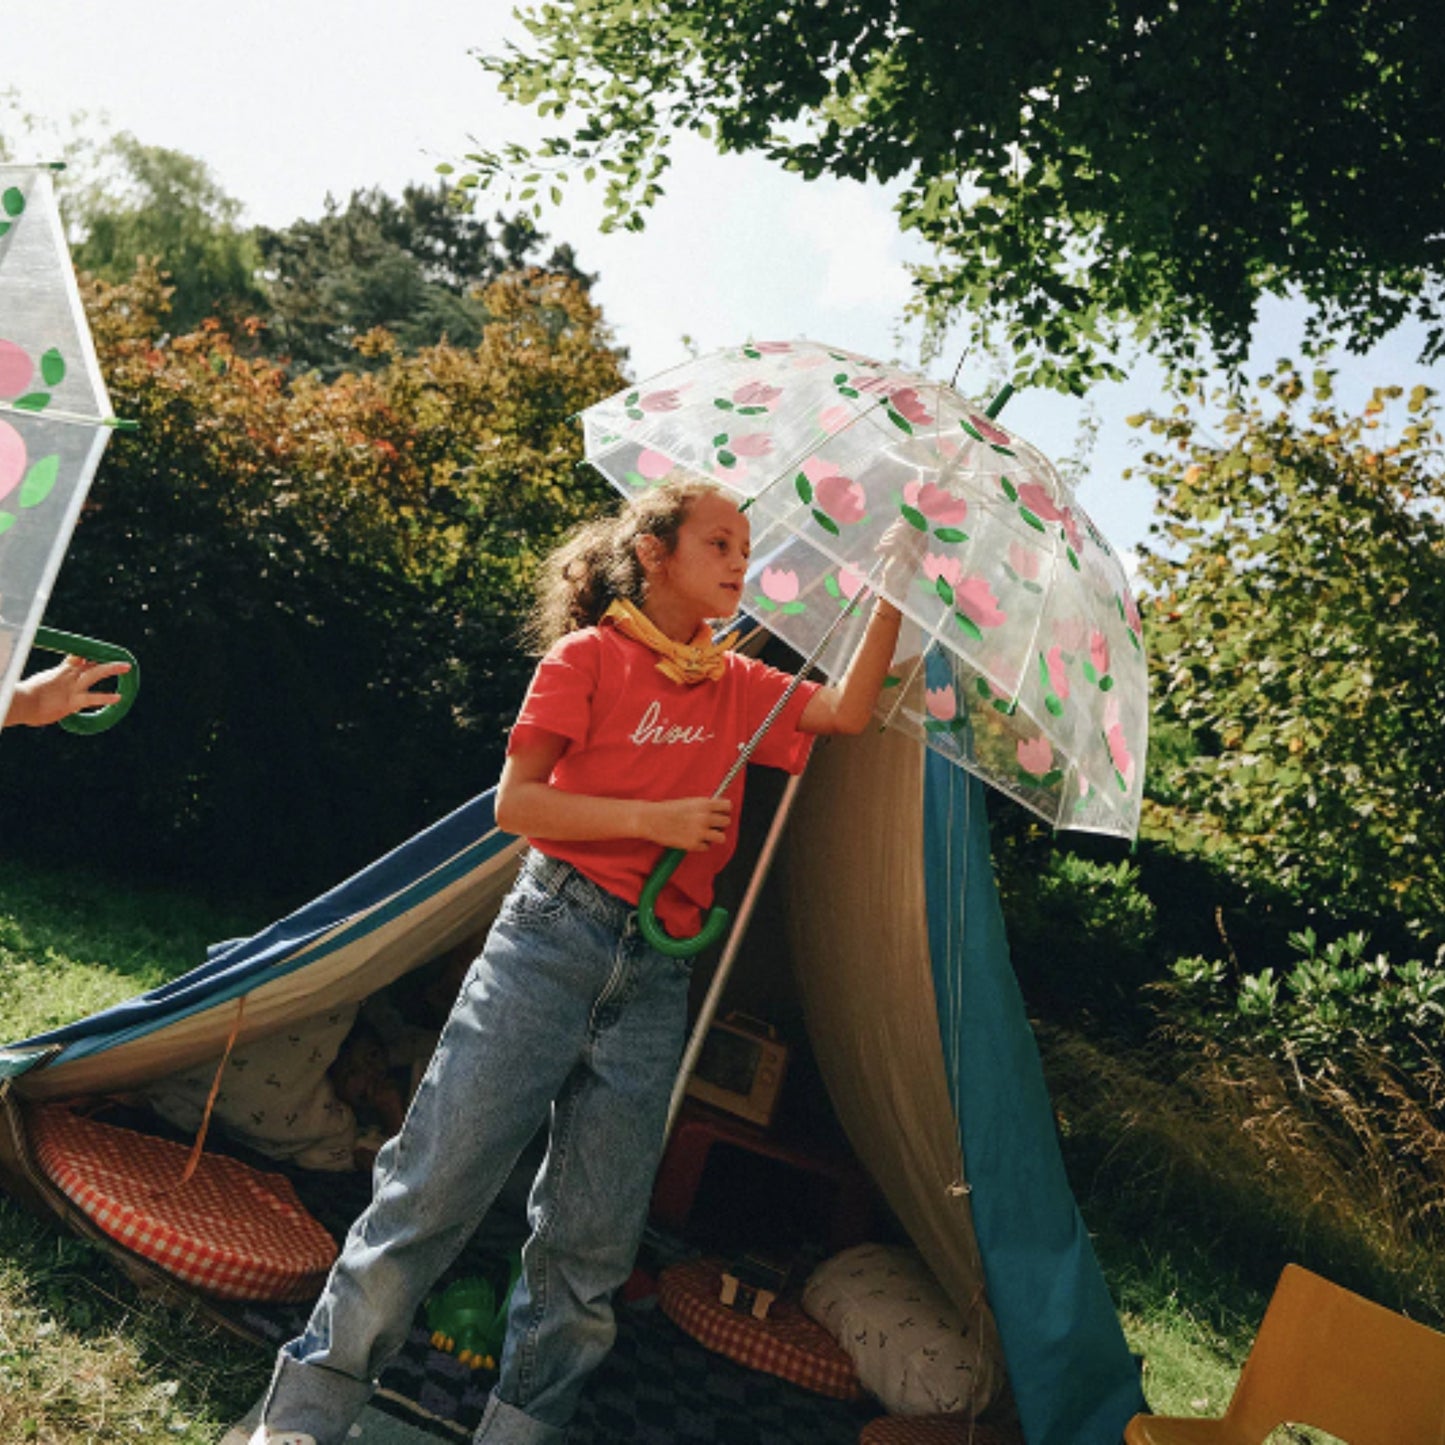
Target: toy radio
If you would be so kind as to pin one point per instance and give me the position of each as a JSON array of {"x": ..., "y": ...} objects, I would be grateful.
[{"x": 740, "y": 1069}]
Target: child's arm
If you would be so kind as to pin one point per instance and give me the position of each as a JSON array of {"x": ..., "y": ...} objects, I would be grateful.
[
  {"x": 846, "y": 706},
  {"x": 48, "y": 696},
  {"x": 527, "y": 804}
]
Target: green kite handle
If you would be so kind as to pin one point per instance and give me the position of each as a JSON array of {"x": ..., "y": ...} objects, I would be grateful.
[
  {"x": 713, "y": 927},
  {"x": 128, "y": 683}
]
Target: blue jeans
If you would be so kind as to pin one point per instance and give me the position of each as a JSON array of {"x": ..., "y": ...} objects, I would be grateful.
[{"x": 567, "y": 1009}]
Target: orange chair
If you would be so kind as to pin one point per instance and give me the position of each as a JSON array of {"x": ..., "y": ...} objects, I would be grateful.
[{"x": 1327, "y": 1358}]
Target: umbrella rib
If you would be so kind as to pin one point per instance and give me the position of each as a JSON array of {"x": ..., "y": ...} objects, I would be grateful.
[{"x": 74, "y": 418}]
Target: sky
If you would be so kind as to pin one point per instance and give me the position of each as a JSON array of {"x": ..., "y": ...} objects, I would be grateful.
[{"x": 288, "y": 103}]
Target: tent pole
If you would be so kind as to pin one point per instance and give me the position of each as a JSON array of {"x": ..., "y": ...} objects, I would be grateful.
[{"x": 729, "y": 954}]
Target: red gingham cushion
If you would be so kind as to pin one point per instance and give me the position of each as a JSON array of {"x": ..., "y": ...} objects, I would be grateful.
[
  {"x": 788, "y": 1343},
  {"x": 229, "y": 1230},
  {"x": 933, "y": 1430}
]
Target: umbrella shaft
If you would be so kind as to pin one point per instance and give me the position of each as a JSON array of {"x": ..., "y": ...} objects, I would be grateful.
[{"x": 750, "y": 747}]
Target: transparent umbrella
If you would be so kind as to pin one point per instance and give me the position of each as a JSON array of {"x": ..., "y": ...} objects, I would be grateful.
[
  {"x": 1022, "y": 658},
  {"x": 55, "y": 420}
]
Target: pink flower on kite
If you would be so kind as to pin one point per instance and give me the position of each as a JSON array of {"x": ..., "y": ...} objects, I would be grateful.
[
  {"x": 949, "y": 568},
  {"x": 842, "y": 499},
  {"x": 988, "y": 431},
  {"x": 973, "y": 598},
  {"x": 779, "y": 585},
  {"x": 12, "y": 458},
  {"x": 754, "y": 444},
  {"x": 942, "y": 703},
  {"x": 851, "y": 581},
  {"x": 1024, "y": 560},
  {"x": 1035, "y": 496},
  {"x": 906, "y": 402},
  {"x": 16, "y": 369},
  {"x": 1036, "y": 756},
  {"x": 1058, "y": 677},
  {"x": 941, "y": 507},
  {"x": 653, "y": 466},
  {"x": 660, "y": 401},
  {"x": 756, "y": 393},
  {"x": 1099, "y": 652},
  {"x": 835, "y": 418}
]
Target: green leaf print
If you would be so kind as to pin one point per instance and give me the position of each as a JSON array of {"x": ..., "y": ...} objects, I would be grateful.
[
  {"x": 825, "y": 522},
  {"x": 52, "y": 367},
  {"x": 13, "y": 201},
  {"x": 32, "y": 401},
  {"x": 950, "y": 534},
  {"x": 39, "y": 481},
  {"x": 805, "y": 489}
]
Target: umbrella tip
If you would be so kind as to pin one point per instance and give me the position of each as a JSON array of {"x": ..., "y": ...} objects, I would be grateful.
[{"x": 1000, "y": 401}]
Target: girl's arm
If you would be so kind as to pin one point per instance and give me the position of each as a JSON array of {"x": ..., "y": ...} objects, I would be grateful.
[
  {"x": 846, "y": 706},
  {"x": 528, "y": 804}
]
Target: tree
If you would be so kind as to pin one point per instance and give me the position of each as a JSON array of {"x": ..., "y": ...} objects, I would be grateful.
[
  {"x": 416, "y": 267},
  {"x": 1297, "y": 631},
  {"x": 147, "y": 201},
  {"x": 1087, "y": 173}
]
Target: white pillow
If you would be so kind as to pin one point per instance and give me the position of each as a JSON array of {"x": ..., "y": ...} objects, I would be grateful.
[{"x": 910, "y": 1344}]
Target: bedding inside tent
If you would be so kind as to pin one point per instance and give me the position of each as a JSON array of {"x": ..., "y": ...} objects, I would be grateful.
[{"x": 876, "y": 949}]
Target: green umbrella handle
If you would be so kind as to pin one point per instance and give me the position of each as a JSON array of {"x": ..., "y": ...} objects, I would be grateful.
[
  {"x": 92, "y": 650},
  {"x": 713, "y": 928}
]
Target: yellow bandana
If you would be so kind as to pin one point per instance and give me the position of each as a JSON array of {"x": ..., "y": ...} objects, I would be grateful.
[{"x": 701, "y": 660}]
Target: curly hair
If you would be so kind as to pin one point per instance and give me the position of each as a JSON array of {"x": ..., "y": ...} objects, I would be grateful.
[{"x": 597, "y": 562}]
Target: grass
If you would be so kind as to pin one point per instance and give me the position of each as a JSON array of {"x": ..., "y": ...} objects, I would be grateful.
[{"x": 84, "y": 1357}]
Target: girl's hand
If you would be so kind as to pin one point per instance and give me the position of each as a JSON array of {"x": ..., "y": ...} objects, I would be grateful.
[
  {"x": 46, "y": 697},
  {"x": 692, "y": 824},
  {"x": 904, "y": 547}
]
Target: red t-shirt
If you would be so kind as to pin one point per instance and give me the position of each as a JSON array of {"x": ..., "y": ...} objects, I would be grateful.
[{"x": 633, "y": 733}]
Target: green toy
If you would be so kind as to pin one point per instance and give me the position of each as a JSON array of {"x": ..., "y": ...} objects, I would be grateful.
[{"x": 466, "y": 1321}]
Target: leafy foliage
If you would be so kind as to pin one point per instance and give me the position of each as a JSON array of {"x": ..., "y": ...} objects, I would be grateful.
[
  {"x": 416, "y": 266},
  {"x": 1333, "y": 999},
  {"x": 1085, "y": 173},
  {"x": 1296, "y": 634},
  {"x": 322, "y": 580}
]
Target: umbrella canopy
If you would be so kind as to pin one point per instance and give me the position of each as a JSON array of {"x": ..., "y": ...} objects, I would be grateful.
[
  {"x": 1023, "y": 657},
  {"x": 55, "y": 417}
]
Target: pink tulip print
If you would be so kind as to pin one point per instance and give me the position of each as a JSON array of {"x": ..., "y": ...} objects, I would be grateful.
[
  {"x": 1118, "y": 746},
  {"x": 1035, "y": 756},
  {"x": 986, "y": 431},
  {"x": 942, "y": 704},
  {"x": 659, "y": 401},
  {"x": 756, "y": 394},
  {"x": 1024, "y": 562},
  {"x": 1071, "y": 633},
  {"x": 1035, "y": 497},
  {"x": 945, "y": 569},
  {"x": 754, "y": 444},
  {"x": 835, "y": 418},
  {"x": 12, "y": 458},
  {"x": 842, "y": 499},
  {"x": 653, "y": 466},
  {"x": 1098, "y": 668},
  {"x": 974, "y": 600},
  {"x": 1055, "y": 674},
  {"x": 909, "y": 405},
  {"x": 851, "y": 581},
  {"x": 780, "y": 588},
  {"x": 935, "y": 504},
  {"x": 16, "y": 369}
]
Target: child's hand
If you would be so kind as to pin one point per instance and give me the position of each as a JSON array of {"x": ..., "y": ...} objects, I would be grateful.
[
  {"x": 691, "y": 824},
  {"x": 904, "y": 546},
  {"x": 46, "y": 697}
]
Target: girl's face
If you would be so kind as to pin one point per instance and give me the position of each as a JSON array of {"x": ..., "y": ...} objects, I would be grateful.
[{"x": 704, "y": 572}]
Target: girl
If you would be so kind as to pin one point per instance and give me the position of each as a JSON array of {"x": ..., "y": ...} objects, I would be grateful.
[{"x": 632, "y": 715}]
